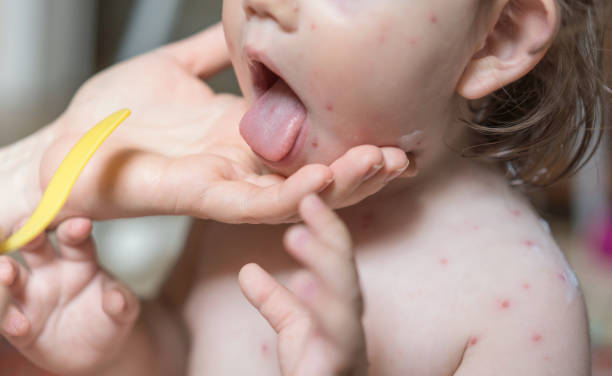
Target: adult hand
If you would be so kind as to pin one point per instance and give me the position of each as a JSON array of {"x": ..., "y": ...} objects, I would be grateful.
[{"x": 181, "y": 153}]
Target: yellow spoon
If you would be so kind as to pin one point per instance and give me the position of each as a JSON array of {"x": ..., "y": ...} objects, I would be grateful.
[{"x": 61, "y": 183}]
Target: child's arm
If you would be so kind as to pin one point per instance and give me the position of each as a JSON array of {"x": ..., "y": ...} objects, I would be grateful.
[
  {"x": 544, "y": 335},
  {"x": 318, "y": 321},
  {"x": 70, "y": 317}
]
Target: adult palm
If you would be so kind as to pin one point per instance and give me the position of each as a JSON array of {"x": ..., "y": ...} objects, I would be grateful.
[{"x": 180, "y": 152}]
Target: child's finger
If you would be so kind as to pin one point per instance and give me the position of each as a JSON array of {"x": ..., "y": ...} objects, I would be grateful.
[
  {"x": 13, "y": 275},
  {"x": 275, "y": 303},
  {"x": 15, "y": 326},
  {"x": 339, "y": 320},
  {"x": 39, "y": 251},
  {"x": 74, "y": 240},
  {"x": 120, "y": 304},
  {"x": 336, "y": 270},
  {"x": 325, "y": 224}
]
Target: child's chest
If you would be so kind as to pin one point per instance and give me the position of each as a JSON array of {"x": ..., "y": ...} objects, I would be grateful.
[{"x": 410, "y": 290}]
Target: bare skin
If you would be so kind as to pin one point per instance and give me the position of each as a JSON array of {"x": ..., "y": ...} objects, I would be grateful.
[
  {"x": 179, "y": 152},
  {"x": 448, "y": 273},
  {"x": 470, "y": 296},
  {"x": 487, "y": 293}
]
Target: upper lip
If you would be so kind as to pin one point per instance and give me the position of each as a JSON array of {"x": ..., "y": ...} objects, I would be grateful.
[{"x": 262, "y": 70}]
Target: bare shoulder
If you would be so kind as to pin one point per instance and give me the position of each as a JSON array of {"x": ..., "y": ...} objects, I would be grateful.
[
  {"x": 487, "y": 287},
  {"x": 526, "y": 311}
]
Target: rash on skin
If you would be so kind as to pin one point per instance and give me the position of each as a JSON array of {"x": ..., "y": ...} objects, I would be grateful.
[
  {"x": 473, "y": 341},
  {"x": 536, "y": 338},
  {"x": 503, "y": 304}
]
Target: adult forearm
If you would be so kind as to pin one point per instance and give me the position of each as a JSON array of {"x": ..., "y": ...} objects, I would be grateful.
[{"x": 20, "y": 189}]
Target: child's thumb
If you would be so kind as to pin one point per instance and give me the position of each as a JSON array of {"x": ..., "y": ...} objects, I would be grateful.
[{"x": 120, "y": 305}]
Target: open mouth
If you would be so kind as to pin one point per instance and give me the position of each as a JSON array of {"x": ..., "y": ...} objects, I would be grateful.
[
  {"x": 273, "y": 123},
  {"x": 263, "y": 77}
]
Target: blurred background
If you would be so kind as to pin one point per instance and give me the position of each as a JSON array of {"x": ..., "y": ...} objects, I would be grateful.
[{"x": 50, "y": 47}]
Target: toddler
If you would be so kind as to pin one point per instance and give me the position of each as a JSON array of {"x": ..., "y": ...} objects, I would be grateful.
[{"x": 447, "y": 273}]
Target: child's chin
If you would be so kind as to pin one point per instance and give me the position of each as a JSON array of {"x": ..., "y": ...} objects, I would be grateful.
[
  {"x": 283, "y": 168},
  {"x": 293, "y": 163}
]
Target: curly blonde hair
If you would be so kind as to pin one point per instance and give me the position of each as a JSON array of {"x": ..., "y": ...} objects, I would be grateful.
[{"x": 548, "y": 124}]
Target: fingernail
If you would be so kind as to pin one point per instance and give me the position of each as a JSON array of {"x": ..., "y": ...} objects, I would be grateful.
[
  {"x": 373, "y": 171},
  {"x": 398, "y": 172}
]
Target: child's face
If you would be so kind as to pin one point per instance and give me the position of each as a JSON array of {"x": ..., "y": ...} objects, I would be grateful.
[{"x": 353, "y": 72}]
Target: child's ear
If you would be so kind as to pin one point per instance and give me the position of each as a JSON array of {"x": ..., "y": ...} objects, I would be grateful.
[{"x": 523, "y": 32}]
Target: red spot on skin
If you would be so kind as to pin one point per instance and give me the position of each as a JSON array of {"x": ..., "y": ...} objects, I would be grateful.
[
  {"x": 433, "y": 19},
  {"x": 475, "y": 227},
  {"x": 473, "y": 341},
  {"x": 562, "y": 277},
  {"x": 264, "y": 348},
  {"x": 547, "y": 358},
  {"x": 536, "y": 338},
  {"x": 443, "y": 261},
  {"x": 529, "y": 243},
  {"x": 504, "y": 304},
  {"x": 412, "y": 42},
  {"x": 313, "y": 27},
  {"x": 315, "y": 144},
  {"x": 516, "y": 212},
  {"x": 330, "y": 107},
  {"x": 526, "y": 286}
]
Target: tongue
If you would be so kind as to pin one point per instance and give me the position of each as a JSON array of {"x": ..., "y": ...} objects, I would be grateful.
[{"x": 272, "y": 125}]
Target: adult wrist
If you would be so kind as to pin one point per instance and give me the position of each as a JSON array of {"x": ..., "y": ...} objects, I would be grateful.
[{"x": 20, "y": 190}]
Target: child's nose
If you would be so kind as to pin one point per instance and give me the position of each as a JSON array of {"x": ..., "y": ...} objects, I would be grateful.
[{"x": 284, "y": 12}]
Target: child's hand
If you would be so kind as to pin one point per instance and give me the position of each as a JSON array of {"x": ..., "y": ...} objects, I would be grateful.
[
  {"x": 67, "y": 316},
  {"x": 318, "y": 322}
]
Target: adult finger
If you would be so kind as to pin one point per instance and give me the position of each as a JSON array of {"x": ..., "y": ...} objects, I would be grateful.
[
  {"x": 202, "y": 54},
  {"x": 356, "y": 166},
  {"x": 240, "y": 201}
]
